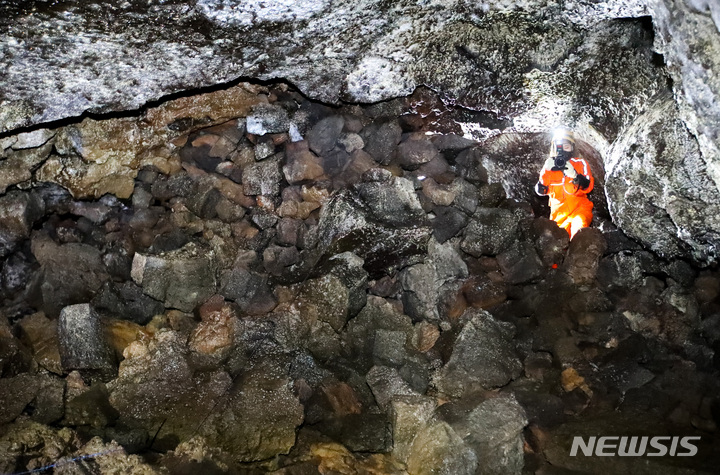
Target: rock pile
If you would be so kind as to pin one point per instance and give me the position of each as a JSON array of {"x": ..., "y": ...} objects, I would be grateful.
[{"x": 305, "y": 288}]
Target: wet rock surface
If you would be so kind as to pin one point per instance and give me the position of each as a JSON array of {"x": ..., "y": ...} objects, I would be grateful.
[{"x": 299, "y": 288}]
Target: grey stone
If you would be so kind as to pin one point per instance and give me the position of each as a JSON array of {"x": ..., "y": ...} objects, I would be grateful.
[
  {"x": 384, "y": 225},
  {"x": 520, "y": 264},
  {"x": 264, "y": 149},
  {"x": 278, "y": 259},
  {"x": 409, "y": 414},
  {"x": 18, "y": 212},
  {"x": 448, "y": 222},
  {"x": 324, "y": 135},
  {"x": 127, "y": 301},
  {"x": 414, "y": 152},
  {"x": 82, "y": 341},
  {"x": 262, "y": 178},
  {"x": 483, "y": 356},
  {"x": 495, "y": 432},
  {"x": 267, "y": 119},
  {"x": 490, "y": 232},
  {"x": 438, "y": 449},
  {"x": 72, "y": 273},
  {"x": 181, "y": 279},
  {"x": 34, "y": 139},
  {"x": 359, "y": 337},
  {"x": 394, "y": 205},
  {"x": 386, "y": 383},
  {"x": 16, "y": 168},
  {"x": 381, "y": 140},
  {"x": 470, "y": 167},
  {"x": 390, "y": 347},
  {"x": 349, "y": 269},
  {"x": 44, "y": 392},
  {"x": 658, "y": 190}
]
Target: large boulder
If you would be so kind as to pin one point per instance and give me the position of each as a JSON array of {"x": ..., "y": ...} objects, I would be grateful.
[
  {"x": 660, "y": 188},
  {"x": 82, "y": 341},
  {"x": 380, "y": 221},
  {"x": 483, "y": 356},
  {"x": 181, "y": 279}
]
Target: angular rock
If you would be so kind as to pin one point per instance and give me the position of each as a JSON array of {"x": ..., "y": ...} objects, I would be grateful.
[
  {"x": 495, "y": 432},
  {"x": 82, "y": 341},
  {"x": 214, "y": 336},
  {"x": 470, "y": 167},
  {"x": 278, "y": 260},
  {"x": 181, "y": 279},
  {"x": 490, "y": 232},
  {"x": 520, "y": 264},
  {"x": 409, "y": 414},
  {"x": 658, "y": 190},
  {"x": 43, "y": 392},
  {"x": 551, "y": 241},
  {"x": 72, "y": 273},
  {"x": 586, "y": 249},
  {"x": 262, "y": 178},
  {"x": 381, "y": 140},
  {"x": 437, "y": 449},
  {"x": 18, "y": 213},
  {"x": 90, "y": 408},
  {"x": 360, "y": 432},
  {"x": 40, "y": 334},
  {"x": 248, "y": 289},
  {"x": 378, "y": 314},
  {"x": 301, "y": 164},
  {"x": 325, "y": 134},
  {"x": 267, "y": 119},
  {"x": 386, "y": 384},
  {"x": 325, "y": 299},
  {"x": 414, "y": 152},
  {"x": 18, "y": 166},
  {"x": 483, "y": 356},
  {"x": 127, "y": 301},
  {"x": 385, "y": 225},
  {"x": 448, "y": 222},
  {"x": 389, "y": 347}
]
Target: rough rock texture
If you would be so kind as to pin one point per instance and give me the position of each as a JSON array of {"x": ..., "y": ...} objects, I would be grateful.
[
  {"x": 180, "y": 279},
  {"x": 481, "y": 358},
  {"x": 660, "y": 188},
  {"x": 95, "y": 60},
  {"x": 82, "y": 341}
]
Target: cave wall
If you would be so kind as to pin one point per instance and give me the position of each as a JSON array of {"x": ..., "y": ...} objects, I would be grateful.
[{"x": 528, "y": 65}]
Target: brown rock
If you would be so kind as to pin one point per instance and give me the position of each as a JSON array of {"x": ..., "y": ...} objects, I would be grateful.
[
  {"x": 301, "y": 164},
  {"x": 707, "y": 288},
  {"x": 586, "y": 249},
  {"x": 342, "y": 398},
  {"x": 215, "y": 333},
  {"x": 425, "y": 336},
  {"x": 481, "y": 292},
  {"x": 39, "y": 333}
]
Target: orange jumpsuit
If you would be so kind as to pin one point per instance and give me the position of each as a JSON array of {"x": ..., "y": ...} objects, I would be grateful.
[{"x": 569, "y": 206}]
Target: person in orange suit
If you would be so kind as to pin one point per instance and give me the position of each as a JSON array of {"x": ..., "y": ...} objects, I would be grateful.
[{"x": 567, "y": 180}]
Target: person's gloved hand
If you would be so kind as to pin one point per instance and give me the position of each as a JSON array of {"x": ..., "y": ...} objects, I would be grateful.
[
  {"x": 549, "y": 163},
  {"x": 569, "y": 171}
]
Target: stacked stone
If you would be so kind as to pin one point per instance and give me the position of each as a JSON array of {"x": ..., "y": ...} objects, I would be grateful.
[{"x": 304, "y": 285}]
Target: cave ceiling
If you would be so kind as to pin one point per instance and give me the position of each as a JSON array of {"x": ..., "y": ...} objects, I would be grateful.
[{"x": 605, "y": 68}]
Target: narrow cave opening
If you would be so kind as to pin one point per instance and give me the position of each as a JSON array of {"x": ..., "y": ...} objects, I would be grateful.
[{"x": 279, "y": 284}]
